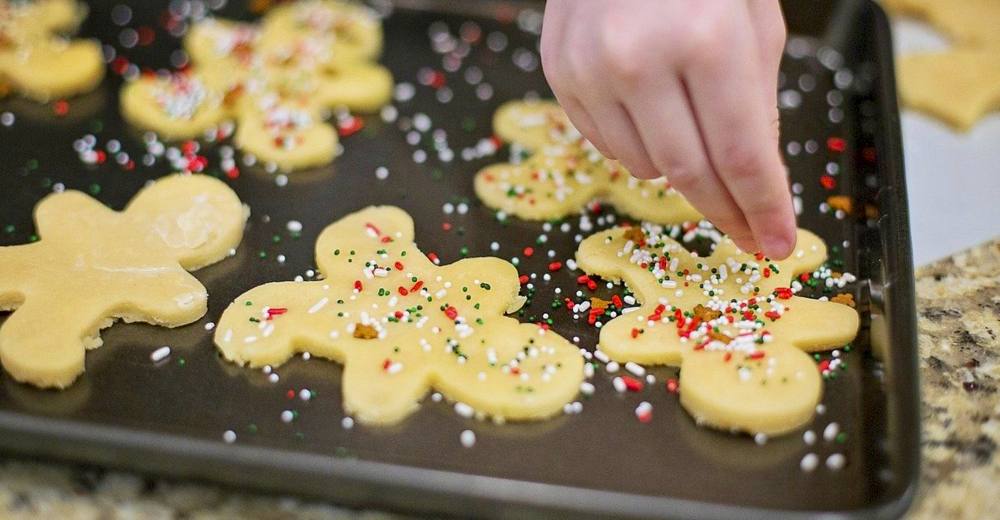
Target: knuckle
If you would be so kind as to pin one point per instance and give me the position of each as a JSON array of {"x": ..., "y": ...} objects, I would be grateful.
[
  {"x": 681, "y": 178},
  {"x": 741, "y": 162}
]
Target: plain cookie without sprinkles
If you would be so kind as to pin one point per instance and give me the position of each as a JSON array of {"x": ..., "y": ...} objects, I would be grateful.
[{"x": 93, "y": 265}]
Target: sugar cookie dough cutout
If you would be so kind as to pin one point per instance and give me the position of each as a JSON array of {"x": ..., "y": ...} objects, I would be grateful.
[
  {"x": 401, "y": 325},
  {"x": 355, "y": 28},
  {"x": 274, "y": 79},
  {"x": 750, "y": 374},
  {"x": 94, "y": 265},
  {"x": 177, "y": 107},
  {"x": 35, "y": 61},
  {"x": 966, "y": 22},
  {"x": 564, "y": 171},
  {"x": 959, "y": 86}
]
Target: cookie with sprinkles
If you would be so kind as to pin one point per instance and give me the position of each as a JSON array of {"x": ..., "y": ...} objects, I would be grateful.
[
  {"x": 36, "y": 61},
  {"x": 276, "y": 79},
  {"x": 564, "y": 171},
  {"x": 93, "y": 266},
  {"x": 730, "y": 320},
  {"x": 402, "y": 325}
]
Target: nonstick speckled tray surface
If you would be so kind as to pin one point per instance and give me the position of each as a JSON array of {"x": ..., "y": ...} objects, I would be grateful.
[{"x": 169, "y": 417}]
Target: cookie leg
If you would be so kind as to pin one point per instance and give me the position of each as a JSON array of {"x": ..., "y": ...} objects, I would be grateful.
[{"x": 44, "y": 347}]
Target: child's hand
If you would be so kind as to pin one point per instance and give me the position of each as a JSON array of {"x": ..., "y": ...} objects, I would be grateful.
[{"x": 684, "y": 89}]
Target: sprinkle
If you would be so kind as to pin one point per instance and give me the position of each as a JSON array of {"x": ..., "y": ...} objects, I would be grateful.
[
  {"x": 760, "y": 439},
  {"x": 632, "y": 384},
  {"x": 586, "y": 388},
  {"x": 635, "y": 369},
  {"x": 229, "y": 436},
  {"x": 294, "y": 226},
  {"x": 809, "y": 437},
  {"x": 619, "y": 385},
  {"x": 160, "y": 354},
  {"x": 809, "y": 462},
  {"x": 467, "y": 438},
  {"x": 347, "y": 423},
  {"x": 611, "y": 367},
  {"x": 831, "y": 431},
  {"x": 835, "y": 461},
  {"x": 287, "y": 416},
  {"x": 464, "y": 410},
  {"x": 644, "y": 412}
]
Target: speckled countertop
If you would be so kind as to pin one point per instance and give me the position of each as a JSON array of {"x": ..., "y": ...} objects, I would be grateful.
[{"x": 959, "y": 314}]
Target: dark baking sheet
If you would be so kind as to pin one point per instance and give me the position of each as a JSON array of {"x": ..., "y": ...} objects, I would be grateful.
[{"x": 168, "y": 418}]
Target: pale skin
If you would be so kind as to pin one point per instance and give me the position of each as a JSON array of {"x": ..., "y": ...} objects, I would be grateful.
[{"x": 685, "y": 89}]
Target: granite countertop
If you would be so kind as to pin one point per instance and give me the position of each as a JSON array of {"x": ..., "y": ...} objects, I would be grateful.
[{"x": 958, "y": 302}]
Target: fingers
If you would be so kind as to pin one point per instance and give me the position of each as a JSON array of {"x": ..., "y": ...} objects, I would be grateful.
[
  {"x": 737, "y": 131},
  {"x": 618, "y": 137},
  {"x": 669, "y": 132},
  {"x": 769, "y": 31}
]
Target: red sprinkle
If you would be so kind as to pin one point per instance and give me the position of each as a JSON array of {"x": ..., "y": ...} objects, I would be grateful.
[
  {"x": 402, "y": 291},
  {"x": 416, "y": 287},
  {"x": 635, "y": 332},
  {"x": 350, "y": 126},
  {"x": 61, "y": 107},
  {"x": 528, "y": 251},
  {"x": 632, "y": 384},
  {"x": 555, "y": 266},
  {"x": 836, "y": 144},
  {"x": 828, "y": 182},
  {"x": 783, "y": 292},
  {"x": 357, "y": 286},
  {"x": 672, "y": 385},
  {"x": 451, "y": 312},
  {"x": 615, "y": 299},
  {"x": 434, "y": 258},
  {"x": 758, "y": 354},
  {"x": 523, "y": 279}
]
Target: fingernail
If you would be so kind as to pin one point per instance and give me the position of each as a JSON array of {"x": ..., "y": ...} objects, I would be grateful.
[{"x": 776, "y": 247}]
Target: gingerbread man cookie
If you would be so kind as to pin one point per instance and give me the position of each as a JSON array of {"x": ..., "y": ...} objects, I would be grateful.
[
  {"x": 94, "y": 265},
  {"x": 565, "y": 171},
  {"x": 401, "y": 325},
  {"x": 730, "y": 320},
  {"x": 959, "y": 85},
  {"x": 38, "y": 63},
  {"x": 276, "y": 80}
]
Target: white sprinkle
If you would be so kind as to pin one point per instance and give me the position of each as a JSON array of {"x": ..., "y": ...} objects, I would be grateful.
[
  {"x": 760, "y": 439},
  {"x": 635, "y": 369},
  {"x": 619, "y": 384},
  {"x": 586, "y": 388},
  {"x": 835, "y": 461},
  {"x": 464, "y": 410},
  {"x": 809, "y": 437},
  {"x": 820, "y": 409},
  {"x": 287, "y": 416},
  {"x": 160, "y": 354},
  {"x": 611, "y": 367},
  {"x": 468, "y": 438},
  {"x": 381, "y": 173},
  {"x": 210, "y": 325},
  {"x": 319, "y": 305},
  {"x": 347, "y": 423},
  {"x": 436, "y": 397},
  {"x": 273, "y": 378},
  {"x": 809, "y": 462},
  {"x": 831, "y": 431},
  {"x": 294, "y": 226},
  {"x": 305, "y": 394},
  {"x": 600, "y": 355},
  {"x": 229, "y": 436}
]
